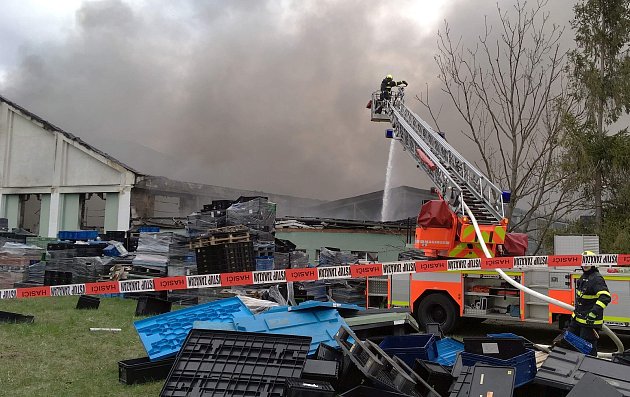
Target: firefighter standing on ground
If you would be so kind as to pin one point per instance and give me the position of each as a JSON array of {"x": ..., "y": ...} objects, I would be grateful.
[{"x": 591, "y": 298}]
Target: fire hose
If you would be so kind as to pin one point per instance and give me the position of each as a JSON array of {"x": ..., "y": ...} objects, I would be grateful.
[{"x": 511, "y": 281}]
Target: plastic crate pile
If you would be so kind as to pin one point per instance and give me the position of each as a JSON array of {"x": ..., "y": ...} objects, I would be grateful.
[
  {"x": 212, "y": 216},
  {"x": 15, "y": 260},
  {"x": 240, "y": 347},
  {"x": 152, "y": 255},
  {"x": 224, "y": 250}
]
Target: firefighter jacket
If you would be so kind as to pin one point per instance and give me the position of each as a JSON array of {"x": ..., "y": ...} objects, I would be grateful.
[
  {"x": 591, "y": 298},
  {"x": 387, "y": 84}
]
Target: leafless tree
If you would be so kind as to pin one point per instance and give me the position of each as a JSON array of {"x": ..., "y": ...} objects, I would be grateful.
[{"x": 509, "y": 90}]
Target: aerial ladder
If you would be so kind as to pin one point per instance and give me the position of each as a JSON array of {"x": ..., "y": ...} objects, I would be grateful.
[
  {"x": 444, "y": 229},
  {"x": 468, "y": 221}
]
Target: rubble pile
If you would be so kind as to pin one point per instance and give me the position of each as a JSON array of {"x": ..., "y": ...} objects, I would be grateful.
[{"x": 331, "y": 349}]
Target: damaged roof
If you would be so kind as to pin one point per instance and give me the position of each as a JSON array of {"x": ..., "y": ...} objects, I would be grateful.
[{"x": 51, "y": 127}]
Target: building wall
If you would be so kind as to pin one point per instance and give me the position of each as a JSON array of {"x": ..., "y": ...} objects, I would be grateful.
[
  {"x": 388, "y": 246},
  {"x": 159, "y": 197},
  {"x": 37, "y": 158}
]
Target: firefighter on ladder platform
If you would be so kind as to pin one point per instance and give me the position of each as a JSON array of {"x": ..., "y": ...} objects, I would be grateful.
[
  {"x": 386, "y": 90},
  {"x": 591, "y": 298}
]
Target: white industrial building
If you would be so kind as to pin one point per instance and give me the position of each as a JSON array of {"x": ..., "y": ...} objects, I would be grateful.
[
  {"x": 48, "y": 174},
  {"x": 50, "y": 180}
]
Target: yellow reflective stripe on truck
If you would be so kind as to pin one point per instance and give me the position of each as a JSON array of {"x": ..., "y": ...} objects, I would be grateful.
[
  {"x": 617, "y": 319},
  {"x": 400, "y": 303}
]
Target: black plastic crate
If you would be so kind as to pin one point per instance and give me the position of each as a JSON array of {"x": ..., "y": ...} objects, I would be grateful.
[
  {"x": 592, "y": 385},
  {"x": 219, "y": 205},
  {"x": 502, "y": 348},
  {"x": 484, "y": 380},
  {"x": 367, "y": 391},
  {"x": 434, "y": 374},
  {"x": 86, "y": 250},
  {"x": 349, "y": 374},
  {"x": 131, "y": 244},
  {"x": 284, "y": 246},
  {"x": 375, "y": 364},
  {"x": 8, "y": 317},
  {"x": 322, "y": 370},
  {"x": 327, "y": 352},
  {"x": 53, "y": 277},
  {"x": 563, "y": 368},
  {"x": 143, "y": 370},
  {"x": 116, "y": 234},
  {"x": 59, "y": 246},
  {"x": 148, "y": 305},
  {"x": 232, "y": 363},
  {"x": 622, "y": 358},
  {"x": 435, "y": 329},
  {"x": 225, "y": 258},
  {"x": 309, "y": 388},
  {"x": 422, "y": 387},
  {"x": 88, "y": 302}
]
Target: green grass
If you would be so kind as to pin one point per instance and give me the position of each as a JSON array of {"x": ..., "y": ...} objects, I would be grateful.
[{"x": 58, "y": 355}]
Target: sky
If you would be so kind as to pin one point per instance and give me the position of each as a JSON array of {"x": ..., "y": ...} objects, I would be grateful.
[{"x": 252, "y": 94}]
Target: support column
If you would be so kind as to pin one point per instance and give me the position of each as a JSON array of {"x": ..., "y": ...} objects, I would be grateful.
[
  {"x": 44, "y": 215},
  {"x": 12, "y": 209},
  {"x": 111, "y": 212},
  {"x": 118, "y": 210},
  {"x": 71, "y": 213},
  {"x": 124, "y": 208},
  {"x": 53, "y": 214}
]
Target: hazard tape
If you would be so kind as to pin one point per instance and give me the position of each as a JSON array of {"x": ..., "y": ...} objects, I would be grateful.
[{"x": 314, "y": 274}]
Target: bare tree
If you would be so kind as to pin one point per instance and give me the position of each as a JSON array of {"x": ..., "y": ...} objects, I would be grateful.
[{"x": 510, "y": 92}]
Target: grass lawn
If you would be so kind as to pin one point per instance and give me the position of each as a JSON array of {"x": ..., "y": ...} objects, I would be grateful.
[{"x": 58, "y": 355}]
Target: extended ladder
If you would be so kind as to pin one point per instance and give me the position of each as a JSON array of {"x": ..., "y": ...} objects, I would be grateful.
[{"x": 457, "y": 180}]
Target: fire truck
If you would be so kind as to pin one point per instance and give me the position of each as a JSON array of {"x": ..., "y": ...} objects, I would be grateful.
[{"x": 444, "y": 231}]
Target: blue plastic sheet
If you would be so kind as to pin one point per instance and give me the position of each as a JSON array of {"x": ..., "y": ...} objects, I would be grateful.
[
  {"x": 163, "y": 335},
  {"x": 317, "y": 304},
  {"x": 321, "y": 324}
]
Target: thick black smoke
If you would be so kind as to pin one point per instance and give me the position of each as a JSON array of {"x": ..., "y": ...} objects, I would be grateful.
[{"x": 261, "y": 95}]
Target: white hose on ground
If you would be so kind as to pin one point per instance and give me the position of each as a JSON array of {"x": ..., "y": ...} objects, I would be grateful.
[{"x": 511, "y": 281}]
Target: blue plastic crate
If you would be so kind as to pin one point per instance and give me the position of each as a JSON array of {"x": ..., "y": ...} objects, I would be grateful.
[
  {"x": 505, "y": 335},
  {"x": 111, "y": 250},
  {"x": 525, "y": 364},
  {"x": 448, "y": 349},
  {"x": 148, "y": 229},
  {"x": 411, "y": 347},
  {"x": 163, "y": 335},
  {"x": 577, "y": 342},
  {"x": 77, "y": 234},
  {"x": 307, "y": 305},
  {"x": 321, "y": 325},
  {"x": 264, "y": 263}
]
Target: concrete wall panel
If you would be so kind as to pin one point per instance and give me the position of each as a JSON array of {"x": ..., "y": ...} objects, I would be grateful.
[
  {"x": 83, "y": 169},
  {"x": 31, "y": 154}
]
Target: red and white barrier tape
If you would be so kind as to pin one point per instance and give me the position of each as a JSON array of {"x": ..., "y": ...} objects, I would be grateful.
[{"x": 314, "y": 274}]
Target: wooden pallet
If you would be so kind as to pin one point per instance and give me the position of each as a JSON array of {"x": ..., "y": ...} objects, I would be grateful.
[{"x": 224, "y": 238}]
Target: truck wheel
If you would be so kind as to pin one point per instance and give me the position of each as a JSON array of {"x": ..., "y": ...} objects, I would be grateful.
[{"x": 437, "y": 308}]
